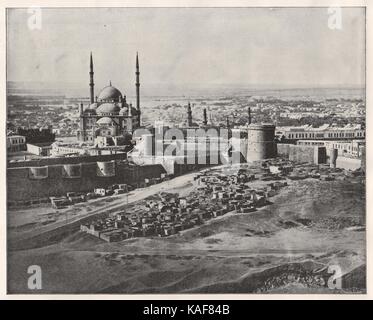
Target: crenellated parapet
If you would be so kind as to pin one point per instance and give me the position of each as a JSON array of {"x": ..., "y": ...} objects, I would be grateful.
[{"x": 75, "y": 170}]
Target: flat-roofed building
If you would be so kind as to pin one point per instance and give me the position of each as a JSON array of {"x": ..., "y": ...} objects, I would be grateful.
[
  {"x": 352, "y": 148},
  {"x": 15, "y": 143},
  {"x": 324, "y": 132}
]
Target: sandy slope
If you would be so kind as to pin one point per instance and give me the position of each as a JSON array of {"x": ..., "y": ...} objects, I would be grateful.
[{"x": 306, "y": 229}]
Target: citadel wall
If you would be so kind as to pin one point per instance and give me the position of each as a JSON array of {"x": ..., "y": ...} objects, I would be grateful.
[
  {"x": 66, "y": 160},
  {"x": 26, "y": 183},
  {"x": 302, "y": 154}
]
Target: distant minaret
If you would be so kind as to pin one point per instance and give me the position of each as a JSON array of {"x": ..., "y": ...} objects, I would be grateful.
[
  {"x": 228, "y": 122},
  {"x": 189, "y": 114},
  {"x": 204, "y": 117},
  {"x": 138, "y": 87},
  {"x": 91, "y": 84},
  {"x": 249, "y": 111}
]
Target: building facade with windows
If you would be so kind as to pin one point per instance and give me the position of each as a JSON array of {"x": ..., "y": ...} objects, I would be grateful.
[
  {"x": 15, "y": 143},
  {"x": 325, "y": 132}
]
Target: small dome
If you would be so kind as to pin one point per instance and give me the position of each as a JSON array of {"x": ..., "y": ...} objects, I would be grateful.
[
  {"x": 105, "y": 121},
  {"x": 110, "y": 93},
  {"x": 93, "y": 106},
  {"x": 123, "y": 111},
  {"x": 89, "y": 111},
  {"x": 111, "y": 108}
]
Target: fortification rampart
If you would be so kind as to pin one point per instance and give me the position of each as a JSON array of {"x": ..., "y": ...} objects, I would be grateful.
[
  {"x": 302, "y": 154},
  {"x": 66, "y": 160},
  {"x": 26, "y": 183}
]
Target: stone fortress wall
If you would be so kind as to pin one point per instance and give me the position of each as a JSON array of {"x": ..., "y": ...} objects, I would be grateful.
[
  {"x": 27, "y": 181},
  {"x": 40, "y": 179},
  {"x": 302, "y": 154}
]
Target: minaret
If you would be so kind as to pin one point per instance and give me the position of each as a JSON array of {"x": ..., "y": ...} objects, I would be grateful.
[
  {"x": 204, "y": 117},
  {"x": 91, "y": 84},
  {"x": 189, "y": 115},
  {"x": 138, "y": 87},
  {"x": 130, "y": 127},
  {"x": 249, "y": 115}
]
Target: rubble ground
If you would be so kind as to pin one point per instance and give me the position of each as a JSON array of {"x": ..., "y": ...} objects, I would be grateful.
[{"x": 284, "y": 247}]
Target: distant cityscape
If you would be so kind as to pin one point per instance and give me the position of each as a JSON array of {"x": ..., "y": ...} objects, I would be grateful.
[
  {"x": 312, "y": 140},
  {"x": 128, "y": 179}
]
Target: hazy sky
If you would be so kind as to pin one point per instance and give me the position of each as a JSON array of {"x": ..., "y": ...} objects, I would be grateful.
[{"x": 189, "y": 47}]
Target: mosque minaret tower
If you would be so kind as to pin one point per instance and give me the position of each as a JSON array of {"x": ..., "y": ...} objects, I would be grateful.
[
  {"x": 91, "y": 83},
  {"x": 108, "y": 118},
  {"x": 138, "y": 88}
]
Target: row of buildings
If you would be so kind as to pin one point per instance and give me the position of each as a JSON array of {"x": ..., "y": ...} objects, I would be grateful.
[{"x": 324, "y": 132}]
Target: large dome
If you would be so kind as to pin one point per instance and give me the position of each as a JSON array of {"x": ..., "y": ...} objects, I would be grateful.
[
  {"x": 109, "y": 93},
  {"x": 108, "y": 108}
]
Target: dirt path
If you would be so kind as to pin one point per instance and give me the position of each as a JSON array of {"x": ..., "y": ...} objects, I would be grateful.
[{"x": 117, "y": 204}]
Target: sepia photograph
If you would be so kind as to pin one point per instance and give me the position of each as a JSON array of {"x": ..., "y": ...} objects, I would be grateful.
[{"x": 186, "y": 150}]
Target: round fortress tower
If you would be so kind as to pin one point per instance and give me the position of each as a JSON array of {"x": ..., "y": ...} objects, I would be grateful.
[{"x": 260, "y": 142}]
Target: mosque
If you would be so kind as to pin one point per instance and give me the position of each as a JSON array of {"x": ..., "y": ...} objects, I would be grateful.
[{"x": 108, "y": 119}]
